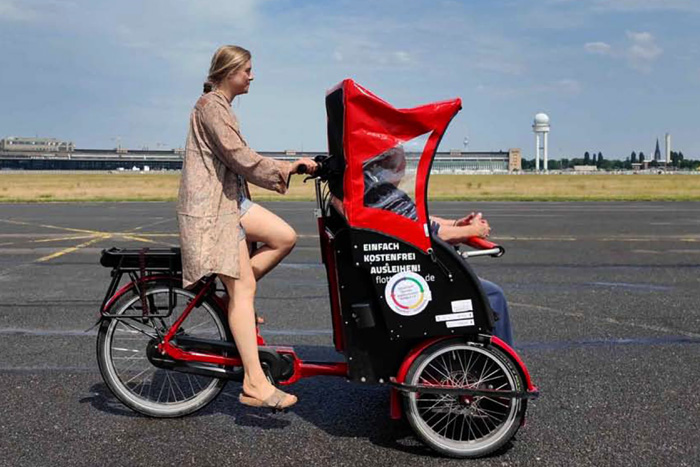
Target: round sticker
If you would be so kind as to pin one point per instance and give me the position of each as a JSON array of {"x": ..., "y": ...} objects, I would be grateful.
[{"x": 407, "y": 293}]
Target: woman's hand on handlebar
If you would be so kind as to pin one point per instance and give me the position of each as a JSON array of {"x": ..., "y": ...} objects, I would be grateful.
[{"x": 304, "y": 165}]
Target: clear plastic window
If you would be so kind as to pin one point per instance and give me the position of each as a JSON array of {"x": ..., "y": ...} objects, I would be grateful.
[{"x": 390, "y": 178}]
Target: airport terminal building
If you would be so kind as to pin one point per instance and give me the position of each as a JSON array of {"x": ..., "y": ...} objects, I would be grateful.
[{"x": 52, "y": 154}]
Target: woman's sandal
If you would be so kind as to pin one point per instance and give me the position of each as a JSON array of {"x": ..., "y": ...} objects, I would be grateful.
[{"x": 278, "y": 400}]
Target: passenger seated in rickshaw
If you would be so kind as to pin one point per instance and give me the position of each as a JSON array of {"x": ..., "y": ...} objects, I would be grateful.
[{"x": 382, "y": 176}]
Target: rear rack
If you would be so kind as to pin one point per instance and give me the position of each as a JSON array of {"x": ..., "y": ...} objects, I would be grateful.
[
  {"x": 139, "y": 264},
  {"x": 151, "y": 259}
]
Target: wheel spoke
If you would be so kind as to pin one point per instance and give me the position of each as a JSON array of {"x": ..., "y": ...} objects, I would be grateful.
[
  {"x": 189, "y": 380},
  {"x": 125, "y": 323},
  {"x": 136, "y": 376},
  {"x": 162, "y": 387},
  {"x": 497, "y": 401},
  {"x": 190, "y": 328},
  {"x": 440, "y": 372}
]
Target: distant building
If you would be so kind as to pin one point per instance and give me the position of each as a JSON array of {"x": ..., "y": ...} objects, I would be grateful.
[
  {"x": 515, "y": 161},
  {"x": 585, "y": 168},
  {"x": 18, "y": 157},
  {"x": 19, "y": 144},
  {"x": 456, "y": 161}
]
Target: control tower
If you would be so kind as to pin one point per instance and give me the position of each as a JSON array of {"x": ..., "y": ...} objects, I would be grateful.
[{"x": 541, "y": 127}]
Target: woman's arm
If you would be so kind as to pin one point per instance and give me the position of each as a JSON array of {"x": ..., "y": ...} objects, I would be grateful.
[{"x": 231, "y": 150}]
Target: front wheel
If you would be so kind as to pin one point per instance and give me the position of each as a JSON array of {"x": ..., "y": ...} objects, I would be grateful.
[
  {"x": 122, "y": 353},
  {"x": 464, "y": 426}
]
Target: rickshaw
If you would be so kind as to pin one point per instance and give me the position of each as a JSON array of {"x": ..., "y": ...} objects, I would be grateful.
[{"x": 407, "y": 309}]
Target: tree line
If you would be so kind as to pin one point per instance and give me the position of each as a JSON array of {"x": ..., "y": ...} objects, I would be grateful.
[{"x": 678, "y": 161}]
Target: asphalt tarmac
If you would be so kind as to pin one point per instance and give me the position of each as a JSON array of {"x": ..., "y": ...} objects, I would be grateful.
[{"x": 604, "y": 303}]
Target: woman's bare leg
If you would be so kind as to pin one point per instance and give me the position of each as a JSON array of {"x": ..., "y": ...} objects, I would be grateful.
[
  {"x": 241, "y": 318},
  {"x": 277, "y": 236}
]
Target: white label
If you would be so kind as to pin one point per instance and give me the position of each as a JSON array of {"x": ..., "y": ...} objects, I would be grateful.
[
  {"x": 461, "y": 305},
  {"x": 453, "y": 316},
  {"x": 407, "y": 293},
  {"x": 460, "y": 323}
]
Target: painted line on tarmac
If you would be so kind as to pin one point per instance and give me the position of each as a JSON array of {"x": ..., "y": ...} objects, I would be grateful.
[
  {"x": 667, "y": 252},
  {"x": 645, "y": 341},
  {"x": 558, "y": 206},
  {"x": 49, "y": 226},
  {"x": 625, "y": 285},
  {"x": 69, "y": 250},
  {"x": 49, "y": 369},
  {"x": 686, "y": 338},
  {"x": 651, "y": 238},
  {"x": 161, "y": 221},
  {"x": 580, "y": 315},
  {"x": 31, "y": 235},
  {"x": 560, "y": 345},
  {"x": 568, "y": 238},
  {"x": 94, "y": 235},
  {"x": 93, "y": 333}
]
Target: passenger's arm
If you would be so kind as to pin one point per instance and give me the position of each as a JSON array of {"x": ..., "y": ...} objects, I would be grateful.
[
  {"x": 462, "y": 221},
  {"x": 338, "y": 205},
  {"x": 459, "y": 234}
]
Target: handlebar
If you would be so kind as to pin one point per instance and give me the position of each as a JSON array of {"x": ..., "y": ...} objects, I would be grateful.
[
  {"x": 301, "y": 170},
  {"x": 323, "y": 169},
  {"x": 483, "y": 248}
]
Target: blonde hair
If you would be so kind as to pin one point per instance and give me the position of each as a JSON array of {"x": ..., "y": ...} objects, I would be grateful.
[{"x": 226, "y": 59}]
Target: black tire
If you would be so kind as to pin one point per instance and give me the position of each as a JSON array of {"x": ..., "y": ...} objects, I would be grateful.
[
  {"x": 462, "y": 426},
  {"x": 125, "y": 368}
]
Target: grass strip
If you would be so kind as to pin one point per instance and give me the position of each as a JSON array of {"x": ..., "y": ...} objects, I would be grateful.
[{"x": 103, "y": 187}]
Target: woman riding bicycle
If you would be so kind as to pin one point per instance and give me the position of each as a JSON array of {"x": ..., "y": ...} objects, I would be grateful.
[{"x": 215, "y": 213}]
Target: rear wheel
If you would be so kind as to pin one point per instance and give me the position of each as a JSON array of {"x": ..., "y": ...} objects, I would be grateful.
[
  {"x": 127, "y": 371},
  {"x": 464, "y": 426}
]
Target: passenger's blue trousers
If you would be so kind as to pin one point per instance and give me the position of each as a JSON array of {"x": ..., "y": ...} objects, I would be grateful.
[{"x": 497, "y": 299}]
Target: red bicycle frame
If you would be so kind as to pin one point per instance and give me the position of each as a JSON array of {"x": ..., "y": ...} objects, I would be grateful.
[{"x": 301, "y": 369}]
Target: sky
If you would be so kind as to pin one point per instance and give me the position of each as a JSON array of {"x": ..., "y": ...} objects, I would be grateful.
[{"x": 613, "y": 75}]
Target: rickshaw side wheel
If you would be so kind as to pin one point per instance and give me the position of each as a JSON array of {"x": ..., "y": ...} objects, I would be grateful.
[{"x": 464, "y": 426}]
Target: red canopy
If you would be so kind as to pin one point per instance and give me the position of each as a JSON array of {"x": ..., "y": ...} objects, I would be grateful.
[{"x": 372, "y": 126}]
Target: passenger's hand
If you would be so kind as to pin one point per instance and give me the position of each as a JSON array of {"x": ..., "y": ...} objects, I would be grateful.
[
  {"x": 466, "y": 220},
  {"x": 481, "y": 226},
  {"x": 308, "y": 163}
]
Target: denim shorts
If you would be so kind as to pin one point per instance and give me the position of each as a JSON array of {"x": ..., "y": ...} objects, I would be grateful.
[{"x": 243, "y": 206}]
